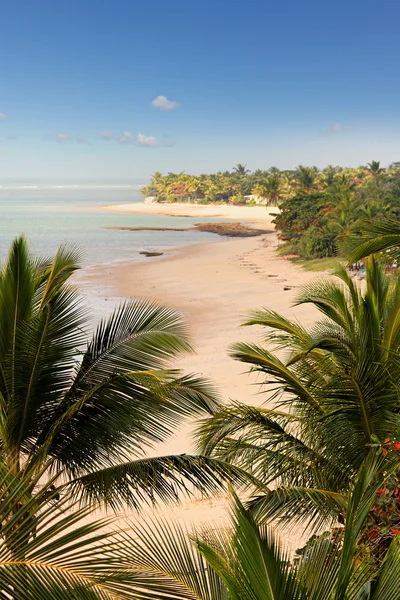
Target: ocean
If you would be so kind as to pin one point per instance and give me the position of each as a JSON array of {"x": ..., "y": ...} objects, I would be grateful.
[{"x": 52, "y": 214}]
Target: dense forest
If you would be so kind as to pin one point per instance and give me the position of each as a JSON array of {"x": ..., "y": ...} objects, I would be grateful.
[{"x": 318, "y": 207}]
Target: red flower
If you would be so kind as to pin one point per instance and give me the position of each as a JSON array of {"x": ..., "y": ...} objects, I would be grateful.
[{"x": 396, "y": 445}]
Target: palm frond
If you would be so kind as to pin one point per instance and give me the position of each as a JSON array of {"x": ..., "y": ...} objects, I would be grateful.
[
  {"x": 309, "y": 507},
  {"x": 271, "y": 444},
  {"x": 372, "y": 236},
  {"x": 387, "y": 587},
  {"x": 165, "y": 548},
  {"x": 124, "y": 415},
  {"x": 253, "y": 565},
  {"x": 165, "y": 478},
  {"x": 52, "y": 549},
  {"x": 265, "y": 362}
]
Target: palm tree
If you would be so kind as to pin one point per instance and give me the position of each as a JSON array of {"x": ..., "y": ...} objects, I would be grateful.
[
  {"x": 375, "y": 167},
  {"x": 53, "y": 548},
  {"x": 307, "y": 178},
  {"x": 370, "y": 236},
  {"x": 343, "y": 206},
  {"x": 247, "y": 562},
  {"x": 330, "y": 174},
  {"x": 335, "y": 392},
  {"x": 241, "y": 170},
  {"x": 89, "y": 411},
  {"x": 273, "y": 189}
]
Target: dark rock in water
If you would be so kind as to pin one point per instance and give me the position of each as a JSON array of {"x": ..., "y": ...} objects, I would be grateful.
[
  {"x": 226, "y": 229},
  {"x": 149, "y": 254},
  {"x": 229, "y": 229}
]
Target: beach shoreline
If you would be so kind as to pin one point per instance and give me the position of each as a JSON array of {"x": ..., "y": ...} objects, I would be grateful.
[
  {"x": 214, "y": 286},
  {"x": 181, "y": 209}
]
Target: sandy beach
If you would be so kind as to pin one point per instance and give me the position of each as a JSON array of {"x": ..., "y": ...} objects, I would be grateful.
[
  {"x": 227, "y": 211},
  {"x": 214, "y": 286}
]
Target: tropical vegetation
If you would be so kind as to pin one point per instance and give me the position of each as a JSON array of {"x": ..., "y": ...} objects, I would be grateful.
[
  {"x": 334, "y": 393},
  {"x": 78, "y": 418},
  {"x": 88, "y": 411},
  {"x": 236, "y": 186},
  {"x": 318, "y": 208},
  {"x": 246, "y": 560},
  {"x": 56, "y": 554}
]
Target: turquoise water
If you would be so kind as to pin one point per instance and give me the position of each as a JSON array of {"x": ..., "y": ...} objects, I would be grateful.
[{"x": 51, "y": 215}]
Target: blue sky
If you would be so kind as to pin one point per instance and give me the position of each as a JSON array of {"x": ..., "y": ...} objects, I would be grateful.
[{"x": 260, "y": 82}]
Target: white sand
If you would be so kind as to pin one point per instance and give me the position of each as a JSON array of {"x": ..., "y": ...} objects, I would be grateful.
[
  {"x": 215, "y": 286},
  {"x": 245, "y": 213}
]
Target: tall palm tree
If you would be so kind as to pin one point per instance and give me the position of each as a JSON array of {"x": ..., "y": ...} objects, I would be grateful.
[
  {"x": 307, "y": 178},
  {"x": 241, "y": 170},
  {"x": 246, "y": 562},
  {"x": 273, "y": 189},
  {"x": 334, "y": 393},
  {"x": 88, "y": 411},
  {"x": 330, "y": 174},
  {"x": 343, "y": 206},
  {"x": 375, "y": 167}
]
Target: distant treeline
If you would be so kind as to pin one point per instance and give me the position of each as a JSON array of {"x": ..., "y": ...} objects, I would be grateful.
[{"x": 317, "y": 207}]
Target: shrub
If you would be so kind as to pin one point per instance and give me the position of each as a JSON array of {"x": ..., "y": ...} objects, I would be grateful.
[{"x": 316, "y": 243}]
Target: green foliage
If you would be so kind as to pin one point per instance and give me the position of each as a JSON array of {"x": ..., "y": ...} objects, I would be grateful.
[
  {"x": 246, "y": 560},
  {"x": 228, "y": 186},
  {"x": 298, "y": 214},
  {"x": 334, "y": 393},
  {"x": 53, "y": 548},
  {"x": 88, "y": 410},
  {"x": 373, "y": 236},
  {"x": 319, "y": 211},
  {"x": 328, "y": 211},
  {"x": 316, "y": 243},
  {"x": 303, "y": 221}
]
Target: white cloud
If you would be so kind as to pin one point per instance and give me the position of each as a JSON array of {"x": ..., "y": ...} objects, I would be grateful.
[
  {"x": 128, "y": 138},
  {"x": 107, "y": 135},
  {"x": 337, "y": 128},
  {"x": 3, "y": 116},
  {"x": 63, "y": 138},
  {"x": 163, "y": 103},
  {"x": 146, "y": 140}
]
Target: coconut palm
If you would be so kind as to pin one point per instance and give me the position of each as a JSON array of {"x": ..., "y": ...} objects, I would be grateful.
[
  {"x": 273, "y": 189},
  {"x": 330, "y": 174},
  {"x": 90, "y": 411},
  {"x": 335, "y": 392},
  {"x": 343, "y": 206},
  {"x": 370, "y": 236},
  {"x": 374, "y": 167},
  {"x": 241, "y": 170},
  {"x": 307, "y": 178},
  {"x": 246, "y": 561},
  {"x": 53, "y": 548}
]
